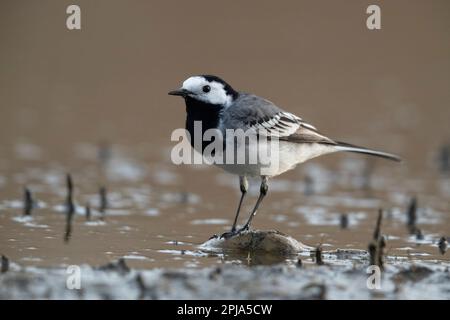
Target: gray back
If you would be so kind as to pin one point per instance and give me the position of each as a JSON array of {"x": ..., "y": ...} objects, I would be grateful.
[{"x": 246, "y": 110}]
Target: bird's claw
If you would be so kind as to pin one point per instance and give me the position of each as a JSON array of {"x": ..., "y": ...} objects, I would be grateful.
[
  {"x": 234, "y": 232},
  {"x": 228, "y": 235}
]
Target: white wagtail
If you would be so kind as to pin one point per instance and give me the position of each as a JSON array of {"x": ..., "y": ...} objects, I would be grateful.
[{"x": 215, "y": 104}]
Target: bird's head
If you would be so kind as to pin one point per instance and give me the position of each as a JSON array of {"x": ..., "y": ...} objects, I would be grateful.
[{"x": 208, "y": 89}]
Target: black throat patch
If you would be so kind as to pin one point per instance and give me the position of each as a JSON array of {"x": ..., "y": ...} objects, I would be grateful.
[{"x": 207, "y": 114}]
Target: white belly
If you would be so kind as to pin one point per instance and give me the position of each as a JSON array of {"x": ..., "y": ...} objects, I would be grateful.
[{"x": 275, "y": 159}]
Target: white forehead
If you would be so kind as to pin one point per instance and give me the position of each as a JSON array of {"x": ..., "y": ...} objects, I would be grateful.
[
  {"x": 194, "y": 83},
  {"x": 197, "y": 82}
]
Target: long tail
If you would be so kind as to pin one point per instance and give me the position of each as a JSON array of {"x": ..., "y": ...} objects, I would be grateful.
[{"x": 342, "y": 146}]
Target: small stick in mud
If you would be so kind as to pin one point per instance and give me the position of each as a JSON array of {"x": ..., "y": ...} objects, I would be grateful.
[
  {"x": 69, "y": 197},
  {"x": 87, "y": 211},
  {"x": 28, "y": 202},
  {"x": 372, "y": 248},
  {"x": 4, "y": 264},
  {"x": 309, "y": 186},
  {"x": 444, "y": 159},
  {"x": 377, "y": 232},
  {"x": 318, "y": 255},
  {"x": 103, "y": 202},
  {"x": 249, "y": 258},
  {"x": 184, "y": 197},
  {"x": 412, "y": 215},
  {"x": 443, "y": 243},
  {"x": 344, "y": 221},
  {"x": 419, "y": 234},
  {"x": 70, "y": 208},
  {"x": 377, "y": 245},
  {"x": 380, "y": 252},
  {"x": 119, "y": 266},
  {"x": 299, "y": 263},
  {"x": 141, "y": 286},
  {"x": 376, "y": 252}
]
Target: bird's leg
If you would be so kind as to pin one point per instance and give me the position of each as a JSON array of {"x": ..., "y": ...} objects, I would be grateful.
[
  {"x": 243, "y": 182},
  {"x": 262, "y": 193}
]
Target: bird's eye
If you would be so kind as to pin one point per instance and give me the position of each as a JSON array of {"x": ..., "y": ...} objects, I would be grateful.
[{"x": 206, "y": 89}]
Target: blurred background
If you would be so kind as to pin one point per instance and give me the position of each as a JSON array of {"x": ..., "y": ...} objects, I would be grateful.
[
  {"x": 386, "y": 88},
  {"x": 63, "y": 93}
]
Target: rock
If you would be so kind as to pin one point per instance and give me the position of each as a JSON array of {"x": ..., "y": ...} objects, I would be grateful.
[
  {"x": 4, "y": 264},
  {"x": 256, "y": 242}
]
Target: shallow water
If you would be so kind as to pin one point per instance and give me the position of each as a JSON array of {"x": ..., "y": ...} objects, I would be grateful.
[{"x": 153, "y": 221}]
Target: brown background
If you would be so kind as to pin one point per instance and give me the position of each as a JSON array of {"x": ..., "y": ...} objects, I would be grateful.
[{"x": 386, "y": 89}]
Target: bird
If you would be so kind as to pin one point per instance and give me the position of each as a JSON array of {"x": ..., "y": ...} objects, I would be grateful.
[{"x": 214, "y": 103}]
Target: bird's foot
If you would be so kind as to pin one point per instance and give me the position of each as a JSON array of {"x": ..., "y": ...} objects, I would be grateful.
[
  {"x": 246, "y": 227},
  {"x": 234, "y": 232},
  {"x": 229, "y": 234}
]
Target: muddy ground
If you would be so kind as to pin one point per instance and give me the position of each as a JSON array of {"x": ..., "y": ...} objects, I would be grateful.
[{"x": 343, "y": 275}]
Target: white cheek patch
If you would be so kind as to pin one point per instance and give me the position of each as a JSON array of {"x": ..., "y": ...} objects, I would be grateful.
[{"x": 217, "y": 94}]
